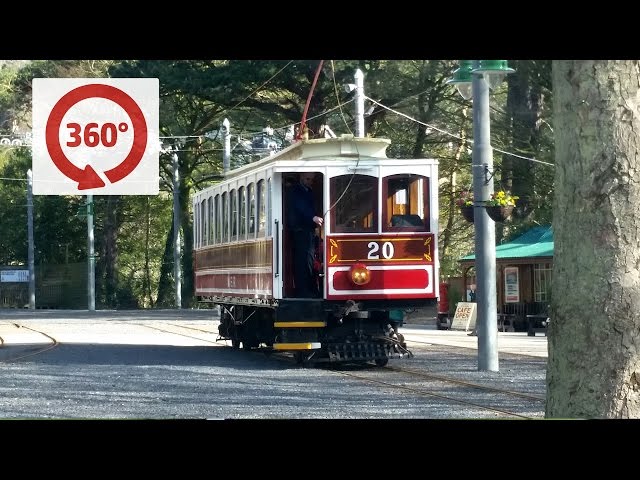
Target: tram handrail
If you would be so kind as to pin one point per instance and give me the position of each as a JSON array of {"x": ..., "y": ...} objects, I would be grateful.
[{"x": 277, "y": 238}]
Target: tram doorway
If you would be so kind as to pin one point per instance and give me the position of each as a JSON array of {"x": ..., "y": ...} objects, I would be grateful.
[{"x": 290, "y": 181}]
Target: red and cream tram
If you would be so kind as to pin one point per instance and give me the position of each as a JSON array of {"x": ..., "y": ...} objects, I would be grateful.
[{"x": 379, "y": 241}]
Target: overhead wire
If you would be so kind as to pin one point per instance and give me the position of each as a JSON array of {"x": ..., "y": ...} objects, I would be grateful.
[
  {"x": 335, "y": 88},
  {"x": 469, "y": 141},
  {"x": 257, "y": 89}
]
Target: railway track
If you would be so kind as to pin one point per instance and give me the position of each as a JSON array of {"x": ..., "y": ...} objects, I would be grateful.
[
  {"x": 16, "y": 345},
  {"x": 478, "y": 400},
  {"x": 14, "y": 353},
  {"x": 480, "y": 394}
]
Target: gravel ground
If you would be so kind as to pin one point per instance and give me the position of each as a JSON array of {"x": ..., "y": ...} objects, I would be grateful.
[{"x": 144, "y": 365}]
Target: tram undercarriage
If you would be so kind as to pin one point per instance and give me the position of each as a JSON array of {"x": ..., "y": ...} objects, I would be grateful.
[{"x": 338, "y": 336}]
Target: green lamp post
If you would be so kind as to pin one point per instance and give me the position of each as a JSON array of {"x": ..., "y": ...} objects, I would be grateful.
[{"x": 473, "y": 79}]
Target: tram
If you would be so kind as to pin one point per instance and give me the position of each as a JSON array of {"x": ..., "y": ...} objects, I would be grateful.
[{"x": 378, "y": 244}]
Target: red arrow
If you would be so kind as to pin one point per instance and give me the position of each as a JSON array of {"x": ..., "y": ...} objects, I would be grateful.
[{"x": 88, "y": 178}]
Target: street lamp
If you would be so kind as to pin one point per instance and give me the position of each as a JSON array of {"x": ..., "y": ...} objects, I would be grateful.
[
  {"x": 462, "y": 79},
  {"x": 481, "y": 75},
  {"x": 494, "y": 71}
]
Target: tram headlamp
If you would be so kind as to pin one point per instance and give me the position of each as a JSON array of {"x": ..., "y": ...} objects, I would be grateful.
[{"x": 360, "y": 274}]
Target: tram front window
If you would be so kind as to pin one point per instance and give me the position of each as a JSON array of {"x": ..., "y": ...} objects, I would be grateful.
[
  {"x": 405, "y": 207},
  {"x": 354, "y": 201}
]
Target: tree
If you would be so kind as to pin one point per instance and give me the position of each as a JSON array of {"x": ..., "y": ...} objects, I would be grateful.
[
  {"x": 527, "y": 112},
  {"x": 197, "y": 95},
  {"x": 186, "y": 117},
  {"x": 594, "y": 341}
]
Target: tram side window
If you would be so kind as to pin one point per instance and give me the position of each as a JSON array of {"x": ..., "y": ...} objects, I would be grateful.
[
  {"x": 251, "y": 193},
  {"x": 212, "y": 217},
  {"x": 242, "y": 201},
  {"x": 406, "y": 203},
  {"x": 198, "y": 239},
  {"x": 355, "y": 201},
  {"x": 269, "y": 207},
  {"x": 203, "y": 224},
  {"x": 218, "y": 230},
  {"x": 262, "y": 210},
  {"x": 225, "y": 217},
  {"x": 234, "y": 214},
  {"x": 196, "y": 220}
]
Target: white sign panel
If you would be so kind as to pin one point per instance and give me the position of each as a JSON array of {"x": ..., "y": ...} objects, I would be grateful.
[
  {"x": 14, "y": 276},
  {"x": 96, "y": 136},
  {"x": 465, "y": 315},
  {"x": 511, "y": 285}
]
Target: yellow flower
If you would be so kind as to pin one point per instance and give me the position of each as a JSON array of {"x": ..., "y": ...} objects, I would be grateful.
[{"x": 501, "y": 199}]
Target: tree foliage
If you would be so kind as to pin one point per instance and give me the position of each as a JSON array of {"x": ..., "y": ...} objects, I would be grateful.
[{"x": 408, "y": 101}]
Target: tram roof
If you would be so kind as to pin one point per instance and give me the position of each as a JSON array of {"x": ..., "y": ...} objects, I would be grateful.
[{"x": 345, "y": 146}]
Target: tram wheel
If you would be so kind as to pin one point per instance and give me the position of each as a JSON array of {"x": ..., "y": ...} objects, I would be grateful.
[
  {"x": 400, "y": 337},
  {"x": 381, "y": 362},
  {"x": 299, "y": 357}
]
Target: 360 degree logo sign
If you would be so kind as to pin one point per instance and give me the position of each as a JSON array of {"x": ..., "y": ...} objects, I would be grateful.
[{"x": 95, "y": 136}]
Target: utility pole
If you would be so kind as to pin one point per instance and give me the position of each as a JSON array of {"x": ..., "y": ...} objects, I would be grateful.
[
  {"x": 32, "y": 274},
  {"x": 473, "y": 79},
  {"x": 91, "y": 269},
  {"x": 485, "y": 238},
  {"x": 176, "y": 230}
]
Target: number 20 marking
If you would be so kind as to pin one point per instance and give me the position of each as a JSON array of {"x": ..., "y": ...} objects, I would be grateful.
[{"x": 387, "y": 250}]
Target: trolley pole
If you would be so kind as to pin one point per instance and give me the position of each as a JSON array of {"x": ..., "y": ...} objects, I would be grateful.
[{"x": 482, "y": 165}]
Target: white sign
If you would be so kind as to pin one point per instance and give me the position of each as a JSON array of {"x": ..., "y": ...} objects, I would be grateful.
[
  {"x": 465, "y": 315},
  {"x": 95, "y": 136},
  {"x": 14, "y": 275},
  {"x": 511, "y": 285}
]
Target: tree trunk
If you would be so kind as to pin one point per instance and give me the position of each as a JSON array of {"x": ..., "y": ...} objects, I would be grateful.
[
  {"x": 111, "y": 251},
  {"x": 166, "y": 295},
  {"x": 594, "y": 340},
  {"x": 187, "y": 287},
  {"x": 146, "y": 281},
  {"x": 446, "y": 235}
]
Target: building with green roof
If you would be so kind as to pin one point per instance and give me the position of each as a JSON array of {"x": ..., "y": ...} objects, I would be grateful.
[{"x": 523, "y": 273}]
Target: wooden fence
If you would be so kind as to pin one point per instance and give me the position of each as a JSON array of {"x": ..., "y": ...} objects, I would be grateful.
[{"x": 56, "y": 286}]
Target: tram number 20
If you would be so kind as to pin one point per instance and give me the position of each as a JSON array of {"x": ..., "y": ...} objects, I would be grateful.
[{"x": 374, "y": 248}]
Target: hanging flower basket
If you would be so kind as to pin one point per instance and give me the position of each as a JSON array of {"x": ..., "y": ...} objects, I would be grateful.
[
  {"x": 465, "y": 202},
  {"x": 467, "y": 213},
  {"x": 500, "y": 205},
  {"x": 499, "y": 213}
]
